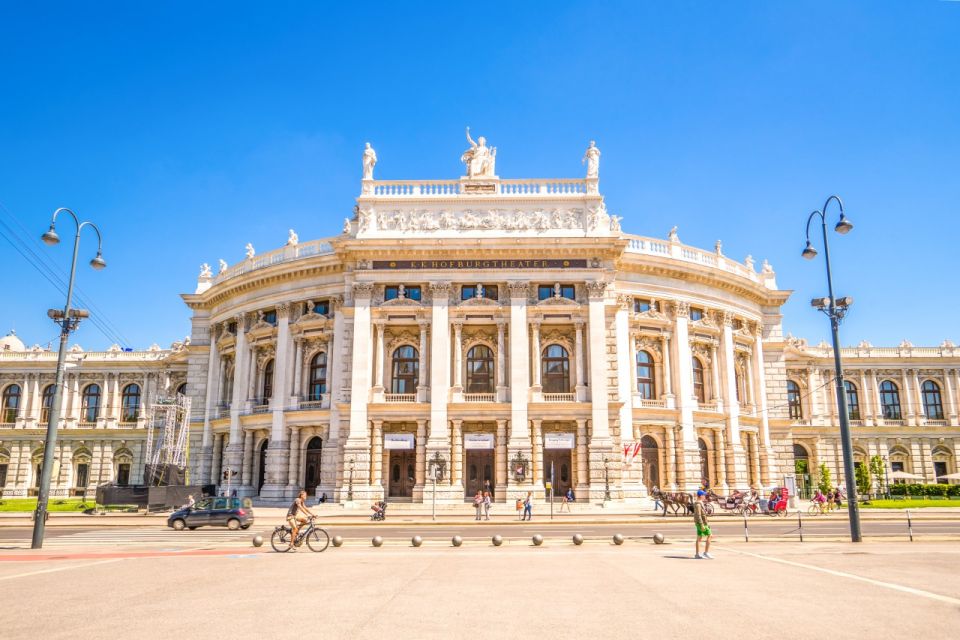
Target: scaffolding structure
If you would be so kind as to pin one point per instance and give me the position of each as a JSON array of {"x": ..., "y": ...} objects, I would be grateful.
[{"x": 168, "y": 425}]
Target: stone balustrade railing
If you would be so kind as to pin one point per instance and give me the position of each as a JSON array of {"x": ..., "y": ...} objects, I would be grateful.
[
  {"x": 415, "y": 189},
  {"x": 277, "y": 256},
  {"x": 678, "y": 251}
]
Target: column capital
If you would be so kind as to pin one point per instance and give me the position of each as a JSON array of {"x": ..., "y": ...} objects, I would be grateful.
[
  {"x": 727, "y": 318},
  {"x": 424, "y": 325},
  {"x": 624, "y": 301},
  {"x": 596, "y": 288},
  {"x": 681, "y": 308},
  {"x": 440, "y": 288},
  {"x": 362, "y": 289},
  {"x": 283, "y": 311},
  {"x": 535, "y": 324},
  {"x": 518, "y": 289}
]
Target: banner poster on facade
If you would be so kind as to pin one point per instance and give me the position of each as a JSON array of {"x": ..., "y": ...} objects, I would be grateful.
[
  {"x": 398, "y": 441},
  {"x": 478, "y": 441},
  {"x": 558, "y": 441}
]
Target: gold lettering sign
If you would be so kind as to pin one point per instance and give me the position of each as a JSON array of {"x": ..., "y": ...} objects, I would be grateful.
[{"x": 478, "y": 264}]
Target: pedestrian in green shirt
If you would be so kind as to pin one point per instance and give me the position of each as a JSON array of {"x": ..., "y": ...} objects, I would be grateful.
[{"x": 703, "y": 526}]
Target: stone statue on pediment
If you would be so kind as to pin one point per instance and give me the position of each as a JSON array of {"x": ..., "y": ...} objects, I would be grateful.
[
  {"x": 205, "y": 271},
  {"x": 592, "y": 159},
  {"x": 369, "y": 161},
  {"x": 479, "y": 158},
  {"x": 292, "y": 238},
  {"x": 250, "y": 250},
  {"x": 223, "y": 265}
]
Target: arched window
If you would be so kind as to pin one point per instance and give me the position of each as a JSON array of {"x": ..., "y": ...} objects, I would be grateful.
[
  {"x": 406, "y": 370},
  {"x": 268, "y": 380},
  {"x": 555, "y": 369},
  {"x": 318, "y": 377},
  {"x": 130, "y": 403},
  {"x": 480, "y": 369},
  {"x": 704, "y": 462},
  {"x": 90, "y": 410},
  {"x": 932, "y": 403},
  {"x": 698, "y": 389},
  {"x": 738, "y": 385},
  {"x": 47, "y": 403},
  {"x": 853, "y": 400},
  {"x": 645, "y": 385},
  {"x": 793, "y": 400},
  {"x": 11, "y": 402},
  {"x": 890, "y": 400}
]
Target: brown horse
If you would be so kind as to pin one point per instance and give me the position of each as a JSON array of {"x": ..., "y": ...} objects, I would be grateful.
[{"x": 674, "y": 501}]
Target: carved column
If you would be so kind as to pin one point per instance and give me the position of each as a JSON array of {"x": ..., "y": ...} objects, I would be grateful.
[
  {"x": 423, "y": 386},
  {"x": 721, "y": 447},
  {"x": 732, "y": 454},
  {"x": 535, "y": 336},
  {"x": 456, "y": 454},
  {"x": 421, "y": 468},
  {"x": 687, "y": 452},
  {"x": 600, "y": 439},
  {"x": 376, "y": 454},
  {"x": 537, "y": 454},
  {"x": 950, "y": 407},
  {"x": 501, "y": 362},
  {"x": 519, "y": 369},
  {"x": 458, "y": 361},
  {"x": 500, "y": 485},
  {"x": 907, "y": 396},
  {"x": 763, "y": 449},
  {"x": 297, "y": 389},
  {"x": 583, "y": 468},
  {"x": 667, "y": 373},
  {"x": 356, "y": 448},
  {"x": 378, "y": 376},
  {"x": 242, "y": 366},
  {"x": 581, "y": 384},
  {"x": 812, "y": 394},
  {"x": 293, "y": 460},
  {"x": 669, "y": 458},
  {"x": 715, "y": 370},
  {"x": 439, "y": 438}
]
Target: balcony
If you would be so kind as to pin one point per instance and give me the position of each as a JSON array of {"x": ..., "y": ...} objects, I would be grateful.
[
  {"x": 708, "y": 406},
  {"x": 936, "y": 422},
  {"x": 399, "y": 397},
  {"x": 648, "y": 403},
  {"x": 559, "y": 397},
  {"x": 312, "y": 403},
  {"x": 890, "y": 422},
  {"x": 261, "y": 408},
  {"x": 479, "y": 397}
]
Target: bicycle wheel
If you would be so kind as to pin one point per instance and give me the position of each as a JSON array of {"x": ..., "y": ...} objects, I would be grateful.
[
  {"x": 318, "y": 540},
  {"x": 813, "y": 510},
  {"x": 280, "y": 540}
]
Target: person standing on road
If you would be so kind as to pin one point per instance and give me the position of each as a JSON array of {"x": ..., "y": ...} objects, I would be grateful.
[
  {"x": 478, "y": 504},
  {"x": 528, "y": 507},
  {"x": 487, "y": 500},
  {"x": 703, "y": 526}
]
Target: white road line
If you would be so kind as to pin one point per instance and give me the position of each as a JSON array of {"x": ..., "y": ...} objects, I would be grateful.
[
  {"x": 61, "y": 568},
  {"x": 843, "y": 574}
]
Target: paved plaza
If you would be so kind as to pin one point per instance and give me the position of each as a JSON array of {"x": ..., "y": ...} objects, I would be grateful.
[{"x": 756, "y": 590}]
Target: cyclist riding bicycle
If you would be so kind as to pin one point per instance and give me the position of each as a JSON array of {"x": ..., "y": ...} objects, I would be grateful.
[{"x": 294, "y": 514}]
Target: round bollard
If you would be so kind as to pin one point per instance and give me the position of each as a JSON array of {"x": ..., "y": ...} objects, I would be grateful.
[
  {"x": 497, "y": 540},
  {"x": 658, "y": 538},
  {"x": 377, "y": 541},
  {"x": 537, "y": 539},
  {"x": 416, "y": 541},
  {"x": 337, "y": 541},
  {"x": 577, "y": 539},
  {"x": 258, "y": 541},
  {"x": 457, "y": 541},
  {"x": 618, "y": 538}
]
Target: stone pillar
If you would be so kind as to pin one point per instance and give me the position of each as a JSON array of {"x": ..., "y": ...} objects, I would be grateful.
[
  {"x": 875, "y": 407},
  {"x": 537, "y": 452},
  {"x": 715, "y": 370},
  {"x": 500, "y": 486},
  {"x": 279, "y": 462},
  {"x": 907, "y": 395},
  {"x": 669, "y": 459},
  {"x": 812, "y": 394},
  {"x": 234, "y": 452},
  {"x": 423, "y": 386},
  {"x": 206, "y": 442},
  {"x": 293, "y": 461},
  {"x": 733, "y": 450},
  {"x": 439, "y": 438},
  {"x": 378, "y": 376},
  {"x": 688, "y": 454},
  {"x": 501, "y": 362},
  {"x": 216, "y": 462},
  {"x": 247, "y": 467},
  {"x": 357, "y": 444},
  {"x": 519, "y": 371},
  {"x": 599, "y": 397},
  {"x": 456, "y": 455},
  {"x": 631, "y": 485},
  {"x": 537, "y": 385},
  {"x": 667, "y": 373},
  {"x": 950, "y": 407},
  {"x": 583, "y": 467},
  {"x": 457, "y": 362},
  {"x": 866, "y": 413},
  {"x": 581, "y": 388},
  {"x": 376, "y": 454},
  {"x": 721, "y": 461},
  {"x": 296, "y": 390},
  {"x": 421, "y": 465},
  {"x": 764, "y": 450}
]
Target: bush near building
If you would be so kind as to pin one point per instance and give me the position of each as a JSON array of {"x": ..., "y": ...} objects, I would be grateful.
[{"x": 927, "y": 490}]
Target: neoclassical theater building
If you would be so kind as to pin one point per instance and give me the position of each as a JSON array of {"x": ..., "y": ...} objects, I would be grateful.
[{"x": 482, "y": 333}]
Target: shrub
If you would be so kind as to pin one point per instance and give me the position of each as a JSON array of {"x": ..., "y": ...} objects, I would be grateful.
[{"x": 926, "y": 490}]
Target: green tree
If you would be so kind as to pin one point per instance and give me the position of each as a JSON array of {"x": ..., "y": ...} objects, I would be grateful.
[
  {"x": 824, "y": 482},
  {"x": 862, "y": 475},
  {"x": 878, "y": 469}
]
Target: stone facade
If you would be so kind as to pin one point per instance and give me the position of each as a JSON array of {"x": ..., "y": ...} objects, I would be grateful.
[{"x": 506, "y": 331}]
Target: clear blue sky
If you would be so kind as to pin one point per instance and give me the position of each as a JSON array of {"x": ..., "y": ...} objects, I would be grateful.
[{"x": 186, "y": 130}]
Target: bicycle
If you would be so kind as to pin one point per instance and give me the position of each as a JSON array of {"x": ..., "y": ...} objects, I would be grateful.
[
  {"x": 817, "y": 509},
  {"x": 316, "y": 537}
]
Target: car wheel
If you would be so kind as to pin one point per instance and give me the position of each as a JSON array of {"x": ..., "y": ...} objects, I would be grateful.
[
  {"x": 233, "y": 524},
  {"x": 179, "y": 525}
]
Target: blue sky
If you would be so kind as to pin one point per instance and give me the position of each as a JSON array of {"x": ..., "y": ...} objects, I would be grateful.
[{"x": 186, "y": 130}]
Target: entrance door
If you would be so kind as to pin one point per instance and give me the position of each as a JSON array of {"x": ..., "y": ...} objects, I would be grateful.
[
  {"x": 478, "y": 472},
  {"x": 561, "y": 459},
  {"x": 261, "y": 472},
  {"x": 403, "y": 464},
  {"x": 312, "y": 465},
  {"x": 651, "y": 462}
]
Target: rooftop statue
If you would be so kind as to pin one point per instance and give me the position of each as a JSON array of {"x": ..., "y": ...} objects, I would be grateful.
[
  {"x": 369, "y": 162},
  {"x": 223, "y": 265},
  {"x": 479, "y": 158},
  {"x": 292, "y": 238},
  {"x": 205, "y": 271},
  {"x": 592, "y": 159},
  {"x": 250, "y": 251}
]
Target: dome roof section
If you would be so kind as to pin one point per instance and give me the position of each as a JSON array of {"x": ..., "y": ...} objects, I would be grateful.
[{"x": 11, "y": 342}]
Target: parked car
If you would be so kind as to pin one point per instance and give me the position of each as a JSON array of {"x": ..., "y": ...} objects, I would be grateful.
[{"x": 222, "y": 512}]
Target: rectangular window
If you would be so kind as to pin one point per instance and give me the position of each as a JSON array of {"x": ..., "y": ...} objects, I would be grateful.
[
  {"x": 322, "y": 307},
  {"x": 83, "y": 473},
  {"x": 123, "y": 474},
  {"x": 469, "y": 291},
  {"x": 696, "y": 314},
  {"x": 939, "y": 470},
  {"x": 393, "y": 291},
  {"x": 232, "y": 327},
  {"x": 3, "y": 476},
  {"x": 737, "y": 324},
  {"x": 270, "y": 317},
  {"x": 545, "y": 291},
  {"x": 640, "y": 305}
]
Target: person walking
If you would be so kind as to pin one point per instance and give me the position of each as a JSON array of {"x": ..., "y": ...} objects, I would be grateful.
[
  {"x": 528, "y": 507},
  {"x": 478, "y": 504},
  {"x": 487, "y": 501},
  {"x": 703, "y": 526},
  {"x": 568, "y": 497}
]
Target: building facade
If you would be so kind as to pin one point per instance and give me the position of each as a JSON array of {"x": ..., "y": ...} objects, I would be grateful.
[{"x": 483, "y": 333}]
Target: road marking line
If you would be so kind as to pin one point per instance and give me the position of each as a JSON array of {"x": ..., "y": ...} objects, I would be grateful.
[
  {"x": 55, "y": 569},
  {"x": 851, "y": 576}
]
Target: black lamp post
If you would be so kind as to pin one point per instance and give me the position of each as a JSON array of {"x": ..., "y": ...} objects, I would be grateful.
[
  {"x": 835, "y": 309},
  {"x": 68, "y": 319}
]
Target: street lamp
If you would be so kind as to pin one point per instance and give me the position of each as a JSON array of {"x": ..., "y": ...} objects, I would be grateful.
[
  {"x": 68, "y": 320},
  {"x": 835, "y": 309},
  {"x": 352, "y": 463},
  {"x": 606, "y": 479}
]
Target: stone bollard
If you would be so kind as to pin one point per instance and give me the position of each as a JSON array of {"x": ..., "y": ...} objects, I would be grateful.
[
  {"x": 337, "y": 541},
  {"x": 416, "y": 541},
  {"x": 377, "y": 541},
  {"x": 618, "y": 538},
  {"x": 537, "y": 539},
  {"x": 658, "y": 538},
  {"x": 457, "y": 541},
  {"x": 577, "y": 539},
  {"x": 497, "y": 540},
  {"x": 258, "y": 541}
]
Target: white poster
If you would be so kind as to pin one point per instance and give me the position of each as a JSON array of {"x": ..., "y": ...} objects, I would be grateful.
[
  {"x": 558, "y": 441},
  {"x": 398, "y": 441},
  {"x": 478, "y": 441}
]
